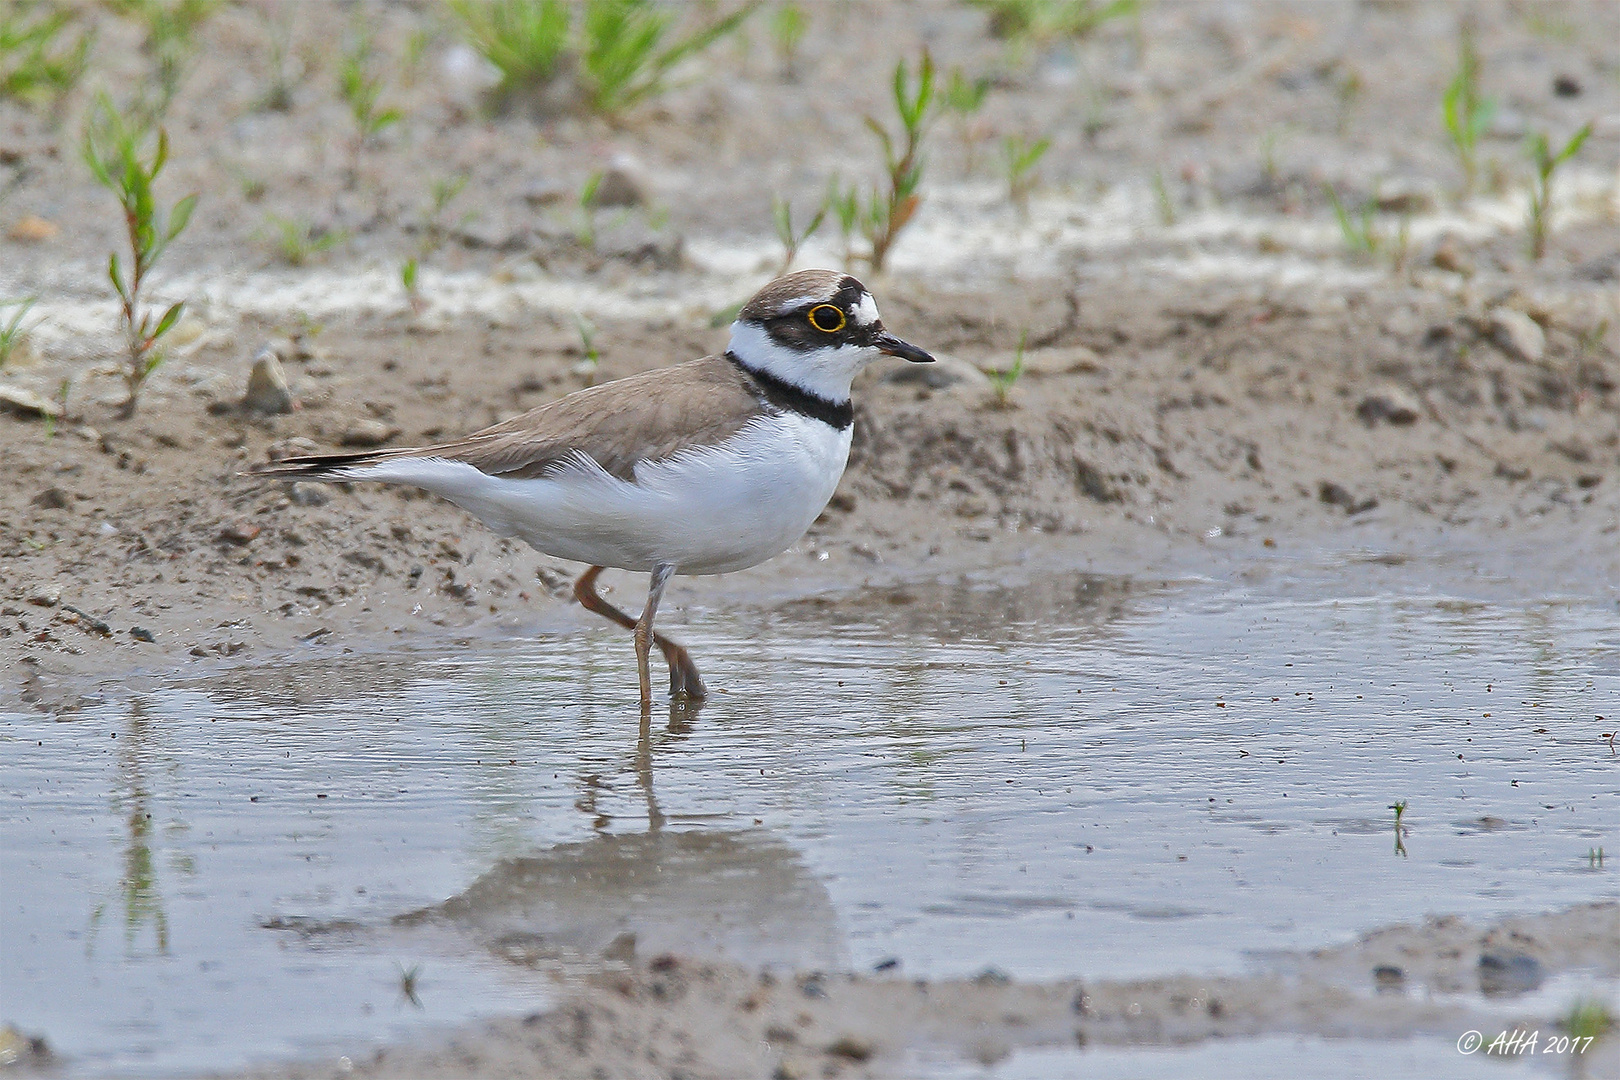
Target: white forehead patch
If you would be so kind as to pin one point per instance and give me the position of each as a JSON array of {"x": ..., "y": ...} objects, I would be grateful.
[
  {"x": 797, "y": 302},
  {"x": 866, "y": 313}
]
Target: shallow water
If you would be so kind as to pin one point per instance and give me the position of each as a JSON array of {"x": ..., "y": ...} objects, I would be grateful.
[{"x": 1087, "y": 777}]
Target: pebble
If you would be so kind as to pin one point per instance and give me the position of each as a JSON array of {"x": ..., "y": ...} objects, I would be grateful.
[
  {"x": 26, "y": 401},
  {"x": 304, "y": 494},
  {"x": 53, "y": 498},
  {"x": 33, "y": 229},
  {"x": 1518, "y": 335},
  {"x": 1506, "y": 974},
  {"x": 1392, "y": 405},
  {"x": 852, "y": 1047},
  {"x": 621, "y": 185},
  {"x": 368, "y": 432},
  {"x": 239, "y": 532},
  {"x": 297, "y": 446},
  {"x": 141, "y": 633},
  {"x": 267, "y": 390}
]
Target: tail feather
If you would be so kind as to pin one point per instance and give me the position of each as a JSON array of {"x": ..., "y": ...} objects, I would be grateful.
[{"x": 327, "y": 467}]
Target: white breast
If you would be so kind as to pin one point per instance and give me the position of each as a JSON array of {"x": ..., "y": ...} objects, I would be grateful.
[{"x": 708, "y": 511}]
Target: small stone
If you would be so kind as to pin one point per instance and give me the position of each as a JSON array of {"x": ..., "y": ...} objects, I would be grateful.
[
  {"x": 1407, "y": 197},
  {"x": 45, "y": 598},
  {"x": 1390, "y": 404},
  {"x": 1567, "y": 86},
  {"x": 53, "y": 498},
  {"x": 239, "y": 532},
  {"x": 621, "y": 185},
  {"x": 1508, "y": 974},
  {"x": 267, "y": 390},
  {"x": 24, "y": 401},
  {"x": 1449, "y": 256},
  {"x": 305, "y": 494},
  {"x": 32, "y": 229},
  {"x": 1388, "y": 978},
  {"x": 992, "y": 976},
  {"x": 297, "y": 446},
  {"x": 141, "y": 633},
  {"x": 1338, "y": 495},
  {"x": 368, "y": 432},
  {"x": 544, "y": 193},
  {"x": 1518, "y": 335},
  {"x": 852, "y": 1047}
]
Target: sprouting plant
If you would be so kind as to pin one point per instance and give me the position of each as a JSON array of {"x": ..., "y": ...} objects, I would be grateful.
[
  {"x": 1589, "y": 1020},
  {"x": 1360, "y": 230},
  {"x": 788, "y": 26},
  {"x": 1400, "y": 834},
  {"x": 114, "y": 149},
  {"x": 408, "y": 977},
  {"x": 591, "y": 358},
  {"x": 1041, "y": 21},
  {"x": 416, "y": 46},
  {"x": 615, "y": 58},
  {"x": 620, "y": 56},
  {"x": 39, "y": 60},
  {"x": 1161, "y": 196},
  {"x": 1547, "y": 163},
  {"x": 524, "y": 39},
  {"x": 407, "y": 277},
  {"x": 888, "y": 212},
  {"x": 962, "y": 98},
  {"x": 782, "y": 214},
  {"x": 1465, "y": 112},
  {"x": 297, "y": 240},
  {"x": 1002, "y": 380},
  {"x": 1019, "y": 159},
  {"x": 1594, "y": 858},
  {"x": 845, "y": 205},
  {"x": 171, "y": 42},
  {"x": 11, "y": 330},
  {"x": 585, "y": 235},
  {"x": 278, "y": 95},
  {"x": 360, "y": 89}
]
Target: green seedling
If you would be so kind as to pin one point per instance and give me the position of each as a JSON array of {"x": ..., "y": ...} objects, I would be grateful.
[
  {"x": 962, "y": 98},
  {"x": 40, "y": 60},
  {"x": 621, "y": 57},
  {"x": 782, "y": 214},
  {"x": 886, "y": 213},
  {"x": 845, "y": 206},
  {"x": 171, "y": 42},
  {"x": 1042, "y": 21},
  {"x": 1162, "y": 197},
  {"x": 408, "y": 978},
  {"x": 1362, "y": 234},
  {"x": 11, "y": 330},
  {"x": 1020, "y": 158},
  {"x": 297, "y": 241},
  {"x": 585, "y": 235},
  {"x": 1594, "y": 858},
  {"x": 591, "y": 359},
  {"x": 1002, "y": 380},
  {"x": 1400, "y": 832},
  {"x": 1466, "y": 113},
  {"x": 115, "y": 150},
  {"x": 407, "y": 278},
  {"x": 788, "y": 26},
  {"x": 360, "y": 90},
  {"x": 62, "y": 392},
  {"x": 1588, "y": 1020},
  {"x": 615, "y": 57},
  {"x": 1546, "y": 162},
  {"x": 525, "y": 40}
]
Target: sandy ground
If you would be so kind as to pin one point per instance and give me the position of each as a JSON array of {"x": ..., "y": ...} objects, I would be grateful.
[{"x": 1210, "y": 379}]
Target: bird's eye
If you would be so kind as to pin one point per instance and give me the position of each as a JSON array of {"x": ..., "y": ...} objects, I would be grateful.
[{"x": 827, "y": 318}]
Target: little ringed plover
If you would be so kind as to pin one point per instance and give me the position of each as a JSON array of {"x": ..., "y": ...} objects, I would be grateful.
[{"x": 703, "y": 468}]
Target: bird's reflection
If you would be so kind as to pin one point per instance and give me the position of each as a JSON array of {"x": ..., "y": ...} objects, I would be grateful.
[{"x": 741, "y": 894}]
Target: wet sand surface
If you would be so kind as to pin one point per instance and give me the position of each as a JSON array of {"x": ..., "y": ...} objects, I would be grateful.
[
  {"x": 1087, "y": 707},
  {"x": 1009, "y": 794}
]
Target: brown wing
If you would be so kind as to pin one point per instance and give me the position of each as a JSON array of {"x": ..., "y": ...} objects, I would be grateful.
[{"x": 646, "y": 417}]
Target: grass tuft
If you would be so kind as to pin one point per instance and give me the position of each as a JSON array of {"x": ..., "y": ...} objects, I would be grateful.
[
  {"x": 792, "y": 239},
  {"x": 1465, "y": 112},
  {"x": 40, "y": 59},
  {"x": 1020, "y": 158},
  {"x": 1002, "y": 380},
  {"x": 12, "y": 334},
  {"x": 298, "y": 242}
]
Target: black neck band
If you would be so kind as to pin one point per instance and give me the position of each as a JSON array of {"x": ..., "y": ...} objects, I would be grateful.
[{"x": 783, "y": 395}]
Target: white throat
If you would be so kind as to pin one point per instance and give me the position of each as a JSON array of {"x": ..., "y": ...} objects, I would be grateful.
[{"x": 826, "y": 373}]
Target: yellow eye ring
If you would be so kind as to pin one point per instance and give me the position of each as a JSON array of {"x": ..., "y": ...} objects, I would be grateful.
[{"x": 827, "y": 324}]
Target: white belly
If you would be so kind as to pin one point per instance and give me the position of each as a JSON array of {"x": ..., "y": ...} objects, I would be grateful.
[{"x": 707, "y": 511}]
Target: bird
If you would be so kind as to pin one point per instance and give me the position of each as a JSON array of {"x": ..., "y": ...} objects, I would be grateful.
[{"x": 704, "y": 467}]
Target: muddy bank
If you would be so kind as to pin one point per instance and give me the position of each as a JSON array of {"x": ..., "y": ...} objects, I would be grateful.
[
  {"x": 674, "y": 1015},
  {"x": 1146, "y": 436}
]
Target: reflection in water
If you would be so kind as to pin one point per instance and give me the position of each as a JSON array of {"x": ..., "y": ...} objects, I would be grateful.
[
  {"x": 138, "y": 891},
  {"x": 742, "y": 894}
]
